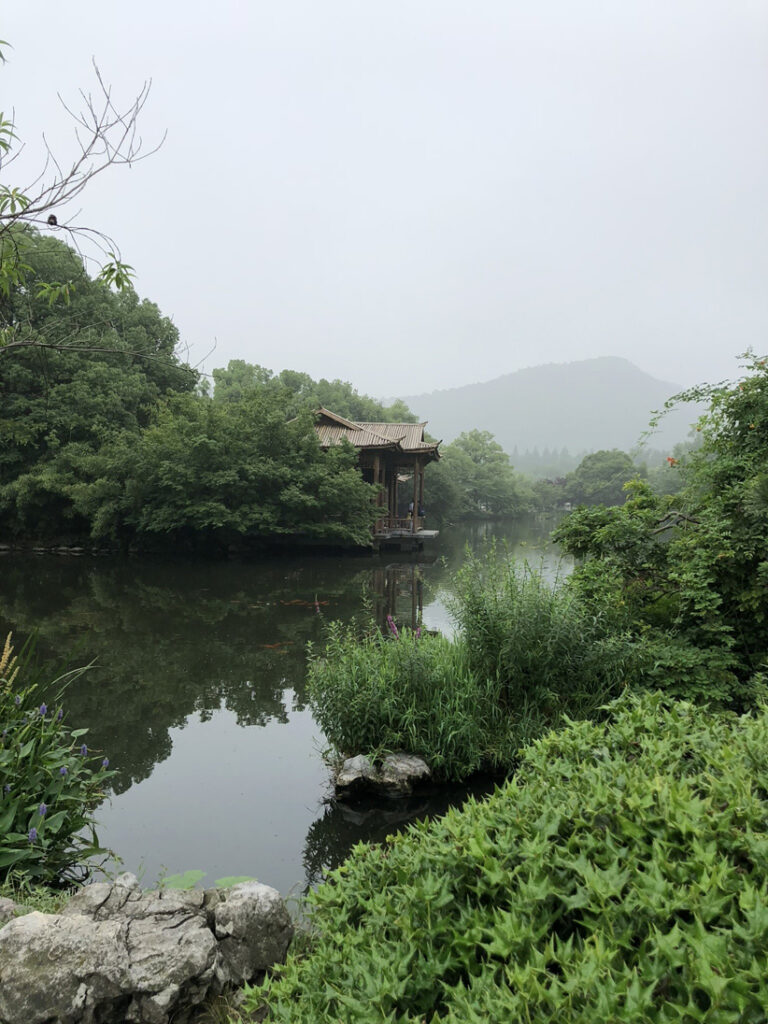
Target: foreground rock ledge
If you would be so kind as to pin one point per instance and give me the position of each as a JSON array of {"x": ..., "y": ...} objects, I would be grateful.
[
  {"x": 395, "y": 776},
  {"x": 118, "y": 954}
]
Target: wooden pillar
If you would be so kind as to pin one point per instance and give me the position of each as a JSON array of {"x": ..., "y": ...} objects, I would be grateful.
[
  {"x": 379, "y": 493},
  {"x": 415, "y": 495}
]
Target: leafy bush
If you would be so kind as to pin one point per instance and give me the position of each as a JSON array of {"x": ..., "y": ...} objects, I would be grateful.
[
  {"x": 548, "y": 654},
  {"x": 410, "y": 691},
  {"x": 49, "y": 783},
  {"x": 692, "y": 569},
  {"x": 621, "y": 876}
]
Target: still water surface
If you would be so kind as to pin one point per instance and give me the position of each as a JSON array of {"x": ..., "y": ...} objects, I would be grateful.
[{"x": 197, "y": 694}]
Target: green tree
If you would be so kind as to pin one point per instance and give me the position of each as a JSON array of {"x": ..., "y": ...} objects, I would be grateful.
[
  {"x": 445, "y": 485},
  {"x": 79, "y": 375},
  {"x": 474, "y": 477},
  {"x": 240, "y": 379},
  {"x": 209, "y": 474},
  {"x": 691, "y": 569},
  {"x": 600, "y": 477}
]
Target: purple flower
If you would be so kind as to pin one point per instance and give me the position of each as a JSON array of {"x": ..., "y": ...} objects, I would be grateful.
[
  {"x": 105, "y": 763},
  {"x": 43, "y": 710},
  {"x": 418, "y": 633},
  {"x": 63, "y": 770},
  {"x": 60, "y": 715},
  {"x": 42, "y": 810},
  {"x": 32, "y": 835},
  {"x": 84, "y": 750},
  {"x": 7, "y": 787},
  {"x": 392, "y": 627},
  {"x": 17, "y": 700}
]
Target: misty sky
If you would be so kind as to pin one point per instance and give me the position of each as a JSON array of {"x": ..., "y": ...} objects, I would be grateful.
[{"x": 418, "y": 195}]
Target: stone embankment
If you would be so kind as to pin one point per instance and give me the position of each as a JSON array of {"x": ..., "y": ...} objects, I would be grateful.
[{"x": 116, "y": 953}]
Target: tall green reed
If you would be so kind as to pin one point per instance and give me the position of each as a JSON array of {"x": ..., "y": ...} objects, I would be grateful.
[
  {"x": 548, "y": 654},
  {"x": 406, "y": 691}
]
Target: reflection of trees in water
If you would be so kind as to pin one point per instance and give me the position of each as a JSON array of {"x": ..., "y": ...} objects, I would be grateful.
[
  {"x": 526, "y": 539},
  {"x": 173, "y": 640},
  {"x": 330, "y": 838}
]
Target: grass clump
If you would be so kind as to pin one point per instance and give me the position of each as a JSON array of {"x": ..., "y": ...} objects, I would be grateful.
[
  {"x": 621, "y": 876},
  {"x": 410, "y": 691},
  {"x": 29, "y": 896},
  {"x": 525, "y": 654},
  {"x": 49, "y": 782},
  {"x": 547, "y": 652}
]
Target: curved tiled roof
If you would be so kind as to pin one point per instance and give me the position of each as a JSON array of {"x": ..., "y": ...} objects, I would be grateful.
[{"x": 405, "y": 437}]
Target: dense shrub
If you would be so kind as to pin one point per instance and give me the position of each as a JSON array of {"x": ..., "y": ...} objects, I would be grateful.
[
  {"x": 408, "y": 691},
  {"x": 49, "y": 784},
  {"x": 621, "y": 876}
]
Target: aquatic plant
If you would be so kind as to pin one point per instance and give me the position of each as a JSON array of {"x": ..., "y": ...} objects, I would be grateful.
[
  {"x": 407, "y": 691},
  {"x": 527, "y": 653},
  {"x": 50, "y": 783}
]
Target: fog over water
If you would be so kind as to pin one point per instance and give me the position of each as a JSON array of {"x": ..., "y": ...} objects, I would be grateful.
[{"x": 418, "y": 196}]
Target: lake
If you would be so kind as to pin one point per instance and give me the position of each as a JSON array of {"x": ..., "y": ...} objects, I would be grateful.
[{"x": 197, "y": 694}]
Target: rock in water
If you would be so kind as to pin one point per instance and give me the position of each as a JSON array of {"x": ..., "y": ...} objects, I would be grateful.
[
  {"x": 396, "y": 776},
  {"x": 400, "y": 772}
]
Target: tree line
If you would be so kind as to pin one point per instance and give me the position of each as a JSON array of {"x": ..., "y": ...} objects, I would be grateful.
[{"x": 107, "y": 435}]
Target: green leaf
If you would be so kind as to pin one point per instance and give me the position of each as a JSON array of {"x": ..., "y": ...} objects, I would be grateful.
[
  {"x": 7, "y": 818},
  {"x": 228, "y": 880},
  {"x": 183, "y": 880},
  {"x": 9, "y": 857}
]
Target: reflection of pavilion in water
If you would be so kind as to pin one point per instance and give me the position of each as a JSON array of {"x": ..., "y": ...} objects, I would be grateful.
[{"x": 398, "y": 590}]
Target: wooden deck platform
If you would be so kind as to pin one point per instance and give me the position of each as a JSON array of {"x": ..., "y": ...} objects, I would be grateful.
[{"x": 403, "y": 539}]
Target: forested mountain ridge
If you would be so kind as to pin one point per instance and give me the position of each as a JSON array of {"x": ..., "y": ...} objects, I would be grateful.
[{"x": 586, "y": 405}]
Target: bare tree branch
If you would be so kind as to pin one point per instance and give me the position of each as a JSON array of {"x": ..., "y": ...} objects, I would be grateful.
[
  {"x": 107, "y": 136},
  {"x": 673, "y": 518},
  {"x": 100, "y": 349}
]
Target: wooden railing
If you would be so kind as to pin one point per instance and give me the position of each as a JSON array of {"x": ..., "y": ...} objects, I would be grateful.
[{"x": 401, "y": 523}]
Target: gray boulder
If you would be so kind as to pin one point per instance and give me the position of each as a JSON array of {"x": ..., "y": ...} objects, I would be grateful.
[
  {"x": 253, "y": 929},
  {"x": 63, "y": 970},
  {"x": 117, "y": 954},
  {"x": 357, "y": 773},
  {"x": 8, "y": 910},
  {"x": 396, "y": 775}
]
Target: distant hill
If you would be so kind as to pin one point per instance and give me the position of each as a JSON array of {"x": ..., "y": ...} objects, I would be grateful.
[{"x": 582, "y": 406}]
